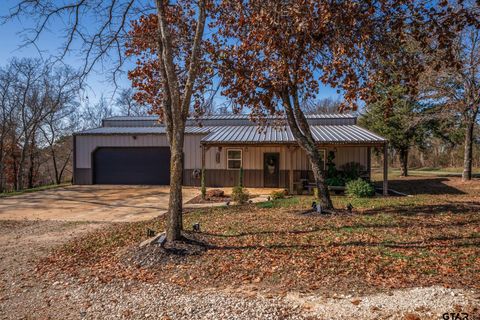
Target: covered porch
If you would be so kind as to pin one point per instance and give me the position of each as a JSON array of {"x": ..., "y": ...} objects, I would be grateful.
[{"x": 272, "y": 158}]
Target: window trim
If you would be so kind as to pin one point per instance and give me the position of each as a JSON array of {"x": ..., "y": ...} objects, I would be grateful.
[{"x": 241, "y": 158}]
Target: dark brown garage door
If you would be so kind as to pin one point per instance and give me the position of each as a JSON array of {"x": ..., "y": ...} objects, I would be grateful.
[{"x": 132, "y": 166}]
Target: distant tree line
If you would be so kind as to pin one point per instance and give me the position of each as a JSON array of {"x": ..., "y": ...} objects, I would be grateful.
[
  {"x": 40, "y": 109},
  {"x": 37, "y": 106}
]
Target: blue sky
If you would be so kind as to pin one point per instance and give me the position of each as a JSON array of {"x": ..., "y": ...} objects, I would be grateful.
[{"x": 12, "y": 35}]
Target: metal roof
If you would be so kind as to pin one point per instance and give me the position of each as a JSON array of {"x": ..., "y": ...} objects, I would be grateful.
[
  {"x": 140, "y": 130},
  {"x": 325, "y": 134},
  {"x": 346, "y": 134},
  {"x": 235, "y": 117}
]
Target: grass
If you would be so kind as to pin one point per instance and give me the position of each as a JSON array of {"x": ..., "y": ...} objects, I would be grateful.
[
  {"x": 393, "y": 242},
  {"x": 393, "y": 173},
  {"x": 41, "y": 188}
]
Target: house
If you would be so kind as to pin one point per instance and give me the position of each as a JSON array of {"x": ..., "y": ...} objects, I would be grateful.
[{"x": 134, "y": 150}]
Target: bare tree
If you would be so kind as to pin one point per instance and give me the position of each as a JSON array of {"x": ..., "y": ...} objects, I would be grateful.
[
  {"x": 326, "y": 105},
  {"x": 31, "y": 93},
  {"x": 6, "y": 113},
  {"x": 458, "y": 89},
  {"x": 92, "y": 114},
  {"x": 59, "y": 125},
  {"x": 128, "y": 106}
]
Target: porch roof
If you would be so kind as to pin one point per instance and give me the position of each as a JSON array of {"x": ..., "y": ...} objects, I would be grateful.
[{"x": 328, "y": 134}]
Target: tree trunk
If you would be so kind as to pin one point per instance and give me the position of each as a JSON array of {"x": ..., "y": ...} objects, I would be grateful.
[
  {"x": 319, "y": 175},
  {"x": 176, "y": 108},
  {"x": 31, "y": 168},
  {"x": 20, "y": 168},
  {"x": 301, "y": 131},
  {"x": 2, "y": 166},
  {"x": 54, "y": 163},
  {"x": 403, "y": 154},
  {"x": 468, "y": 154},
  {"x": 174, "y": 224}
]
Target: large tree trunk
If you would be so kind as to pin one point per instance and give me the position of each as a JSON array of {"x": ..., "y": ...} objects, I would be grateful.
[
  {"x": 301, "y": 131},
  {"x": 468, "y": 154},
  {"x": 319, "y": 175},
  {"x": 174, "y": 218},
  {"x": 403, "y": 154},
  {"x": 176, "y": 108}
]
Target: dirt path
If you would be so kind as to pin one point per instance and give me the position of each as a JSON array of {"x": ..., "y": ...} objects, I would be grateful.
[
  {"x": 26, "y": 295},
  {"x": 22, "y": 294}
]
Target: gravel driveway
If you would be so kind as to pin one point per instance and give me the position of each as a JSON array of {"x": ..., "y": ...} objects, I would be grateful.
[
  {"x": 91, "y": 203},
  {"x": 26, "y": 295}
]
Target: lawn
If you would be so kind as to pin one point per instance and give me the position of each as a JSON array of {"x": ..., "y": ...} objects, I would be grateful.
[{"x": 393, "y": 242}]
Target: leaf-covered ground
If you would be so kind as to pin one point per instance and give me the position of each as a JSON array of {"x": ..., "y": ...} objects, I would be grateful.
[{"x": 430, "y": 238}]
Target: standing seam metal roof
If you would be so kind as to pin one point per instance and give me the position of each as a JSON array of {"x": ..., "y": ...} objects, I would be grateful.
[
  {"x": 237, "y": 117},
  {"x": 254, "y": 134},
  {"x": 283, "y": 134}
]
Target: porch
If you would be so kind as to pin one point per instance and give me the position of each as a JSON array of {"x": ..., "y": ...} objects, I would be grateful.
[{"x": 282, "y": 166}]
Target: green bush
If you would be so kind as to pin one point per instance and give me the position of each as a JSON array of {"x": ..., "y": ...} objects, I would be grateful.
[
  {"x": 335, "y": 181},
  {"x": 278, "y": 194},
  {"x": 359, "y": 189},
  {"x": 239, "y": 194},
  {"x": 351, "y": 171}
]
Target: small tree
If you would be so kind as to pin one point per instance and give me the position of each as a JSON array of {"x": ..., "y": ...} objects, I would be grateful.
[
  {"x": 402, "y": 124},
  {"x": 240, "y": 177}
]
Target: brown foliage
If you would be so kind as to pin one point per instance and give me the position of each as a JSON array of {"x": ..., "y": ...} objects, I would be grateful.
[{"x": 434, "y": 242}]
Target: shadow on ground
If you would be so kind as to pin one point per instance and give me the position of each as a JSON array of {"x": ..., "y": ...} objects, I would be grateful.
[{"x": 428, "y": 186}]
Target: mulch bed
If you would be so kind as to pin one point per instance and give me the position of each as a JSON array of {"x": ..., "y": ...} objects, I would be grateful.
[{"x": 212, "y": 196}]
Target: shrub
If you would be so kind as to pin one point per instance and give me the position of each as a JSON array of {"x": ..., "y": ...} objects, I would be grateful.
[
  {"x": 239, "y": 194},
  {"x": 278, "y": 194},
  {"x": 335, "y": 181},
  {"x": 331, "y": 169},
  {"x": 352, "y": 171},
  {"x": 359, "y": 189}
]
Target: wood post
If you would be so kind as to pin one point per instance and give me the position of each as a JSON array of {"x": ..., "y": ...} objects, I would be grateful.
[
  {"x": 290, "y": 173},
  {"x": 369, "y": 163},
  {"x": 385, "y": 169}
]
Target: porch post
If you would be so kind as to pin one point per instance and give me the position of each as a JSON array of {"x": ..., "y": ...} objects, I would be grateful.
[
  {"x": 290, "y": 173},
  {"x": 369, "y": 162},
  {"x": 202, "y": 181},
  {"x": 385, "y": 169}
]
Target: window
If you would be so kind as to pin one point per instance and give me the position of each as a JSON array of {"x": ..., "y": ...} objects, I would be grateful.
[{"x": 234, "y": 159}]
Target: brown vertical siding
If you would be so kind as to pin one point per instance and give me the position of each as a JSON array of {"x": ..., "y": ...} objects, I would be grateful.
[{"x": 229, "y": 178}]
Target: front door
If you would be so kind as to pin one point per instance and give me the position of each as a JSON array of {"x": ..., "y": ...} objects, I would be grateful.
[{"x": 271, "y": 170}]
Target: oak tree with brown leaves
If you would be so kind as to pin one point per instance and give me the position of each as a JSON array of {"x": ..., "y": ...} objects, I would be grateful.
[
  {"x": 169, "y": 47},
  {"x": 273, "y": 54}
]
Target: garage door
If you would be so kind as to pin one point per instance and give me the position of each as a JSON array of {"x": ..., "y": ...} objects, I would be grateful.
[{"x": 132, "y": 166}]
